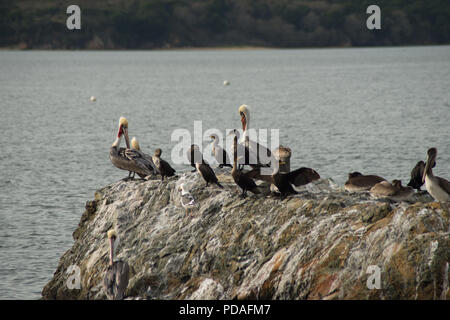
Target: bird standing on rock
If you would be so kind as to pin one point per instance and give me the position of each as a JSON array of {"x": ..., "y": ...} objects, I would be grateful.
[
  {"x": 207, "y": 173},
  {"x": 240, "y": 178},
  {"x": 126, "y": 158},
  {"x": 163, "y": 167},
  {"x": 118, "y": 273},
  {"x": 437, "y": 187},
  {"x": 187, "y": 200}
]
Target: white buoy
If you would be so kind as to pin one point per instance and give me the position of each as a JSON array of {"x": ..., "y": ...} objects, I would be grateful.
[
  {"x": 226, "y": 83},
  {"x": 93, "y": 99}
]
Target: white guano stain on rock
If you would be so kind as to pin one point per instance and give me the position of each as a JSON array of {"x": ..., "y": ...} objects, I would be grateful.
[{"x": 315, "y": 245}]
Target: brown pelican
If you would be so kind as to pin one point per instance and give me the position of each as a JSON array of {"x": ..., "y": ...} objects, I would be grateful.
[
  {"x": 241, "y": 179},
  {"x": 219, "y": 153},
  {"x": 117, "y": 275},
  {"x": 187, "y": 200},
  {"x": 253, "y": 149},
  {"x": 126, "y": 158},
  {"x": 194, "y": 155},
  {"x": 437, "y": 187},
  {"x": 394, "y": 191},
  {"x": 207, "y": 173},
  {"x": 357, "y": 182},
  {"x": 163, "y": 167}
]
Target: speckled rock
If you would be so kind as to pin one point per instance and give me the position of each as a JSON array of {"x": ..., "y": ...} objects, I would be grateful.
[{"x": 319, "y": 244}]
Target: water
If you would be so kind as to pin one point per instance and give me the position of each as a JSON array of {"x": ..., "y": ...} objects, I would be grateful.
[{"x": 374, "y": 110}]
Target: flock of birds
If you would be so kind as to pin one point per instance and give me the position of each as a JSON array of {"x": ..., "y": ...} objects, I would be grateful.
[{"x": 247, "y": 153}]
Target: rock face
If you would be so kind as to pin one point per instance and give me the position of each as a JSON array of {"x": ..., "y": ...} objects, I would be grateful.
[{"x": 324, "y": 243}]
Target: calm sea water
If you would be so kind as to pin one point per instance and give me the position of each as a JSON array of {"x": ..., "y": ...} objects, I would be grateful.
[{"x": 374, "y": 110}]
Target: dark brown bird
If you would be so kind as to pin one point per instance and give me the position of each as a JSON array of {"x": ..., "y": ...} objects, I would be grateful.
[
  {"x": 357, "y": 182},
  {"x": 285, "y": 181},
  {"x": 194, "y": 155},
  {"x": 207, "y": 173},
  {"x": 241, "y": 179},
  {"x": 416, "y": 176},
  {"x": 163, "y": 167}
]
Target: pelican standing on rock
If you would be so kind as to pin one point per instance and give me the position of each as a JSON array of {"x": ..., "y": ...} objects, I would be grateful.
[
  {"x": 394, "y": 191},
  {"x": 240, "y": 178},
  {"x": 187, "y": 200},
  {"x": 163, "y": 167},
  {"x": 126, "y": 158},
  {"x": 117, "y": 275},
  {"x": 437, "y": 187},
  {"x": 253, "y": 149},
  {"x": 357, "y": 182},
  {"x": 219, "y": 153}
]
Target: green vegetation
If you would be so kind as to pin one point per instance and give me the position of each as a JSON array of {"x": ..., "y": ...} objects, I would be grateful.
[{"x": 139, "y": 24}]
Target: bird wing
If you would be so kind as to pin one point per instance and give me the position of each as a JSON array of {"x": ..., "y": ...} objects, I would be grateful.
[
  {"x": 302, "y": 176},
  {"x": 444, "y": 184},
  {"x": 207, "y": 173},
  {"x": 109, "y": 283},
  {"x": 366, "y": 181},
  {"x": 122, "y": 276},
  {"x": 187, "y": 200},
  {"x": 140, "y": 158},
  {"x": 167, "y": 168}
]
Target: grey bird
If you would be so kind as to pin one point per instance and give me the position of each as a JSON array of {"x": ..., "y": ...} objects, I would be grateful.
[
  {"x": 187, "y": 200},
  {"x": 437, "y": 187},
  {"x": 358, "y": 182},
  {"x": 118, "y": 272}
]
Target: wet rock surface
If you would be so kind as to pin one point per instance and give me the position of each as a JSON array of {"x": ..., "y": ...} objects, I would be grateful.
[{"x": 318, "y": 244}]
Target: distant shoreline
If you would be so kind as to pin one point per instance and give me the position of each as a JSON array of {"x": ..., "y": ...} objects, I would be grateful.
[{"x": 229, "y": 48}]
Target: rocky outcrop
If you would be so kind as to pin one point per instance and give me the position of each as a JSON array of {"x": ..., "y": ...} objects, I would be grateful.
[{"x": 321, "y": 244}]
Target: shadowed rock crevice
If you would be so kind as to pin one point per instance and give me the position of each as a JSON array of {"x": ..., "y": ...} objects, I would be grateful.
[{"x": 316, "y": 245}]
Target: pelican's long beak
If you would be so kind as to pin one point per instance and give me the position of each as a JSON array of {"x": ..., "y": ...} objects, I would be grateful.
[
  {"x": 430, "y": 160},
  {"x": 244, "y": 122},
  {"x": 111, "y": 251},
  {"x": 127, "y": 139}
]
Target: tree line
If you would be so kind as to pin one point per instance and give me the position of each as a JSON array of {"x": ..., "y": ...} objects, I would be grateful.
[{"x": 148, "y": 24}]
